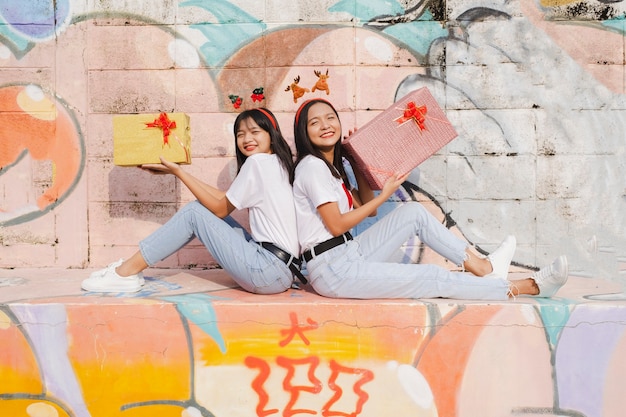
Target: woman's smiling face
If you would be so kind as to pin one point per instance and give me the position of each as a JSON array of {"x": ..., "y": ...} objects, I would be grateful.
[
  {"x": 251, "y": 139},
  {"x": 323, "y": 127}
]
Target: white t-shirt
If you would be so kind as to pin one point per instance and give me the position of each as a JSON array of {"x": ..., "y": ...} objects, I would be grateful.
[
  {"x": 313, "y": 186},
  {"x": 262, "y": 186}
]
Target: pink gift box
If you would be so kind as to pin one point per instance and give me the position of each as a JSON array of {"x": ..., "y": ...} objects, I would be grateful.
[{"x": 400, "y": 138}]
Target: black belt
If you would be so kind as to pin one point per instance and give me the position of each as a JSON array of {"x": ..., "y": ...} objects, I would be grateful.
[
  {"x": 326, "y": 245},
  {"x": 291, "y": 261}
]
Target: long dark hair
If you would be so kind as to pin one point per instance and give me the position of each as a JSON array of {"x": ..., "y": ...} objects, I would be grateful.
[
  {"x": 305, "y": 147},
  {"x": 278, "y": 145}
]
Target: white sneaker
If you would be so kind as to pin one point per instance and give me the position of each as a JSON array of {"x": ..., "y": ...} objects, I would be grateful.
[
  {"x": 107, "y": 280},
  {"x": 501, "y": 258},
  {"x": 114, "y": 265},
  {"x": 552, "y": 277}
]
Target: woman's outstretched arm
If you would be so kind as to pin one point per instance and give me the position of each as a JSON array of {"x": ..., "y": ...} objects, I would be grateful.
[
  {"x": 212, "y": 198},
  {"x": 338, "y": 223}
]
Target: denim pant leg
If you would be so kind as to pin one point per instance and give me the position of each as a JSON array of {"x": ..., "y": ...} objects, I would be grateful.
[
  {"x": 344, "y": 272},
  {"x": 357, "y": 268},
  {"x": 383, "y": 238},
  {"x": 252, "y": 267}
]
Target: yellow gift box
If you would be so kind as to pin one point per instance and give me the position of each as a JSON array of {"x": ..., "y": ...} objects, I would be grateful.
[{"x": 142, "y": 138}]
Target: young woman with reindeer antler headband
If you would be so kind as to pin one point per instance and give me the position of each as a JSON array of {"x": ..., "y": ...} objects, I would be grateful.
[
  {"x": 345, "y": 267},
  {"x": 266, "y": 265}
]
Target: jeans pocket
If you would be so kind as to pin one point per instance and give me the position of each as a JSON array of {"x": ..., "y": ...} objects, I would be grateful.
[{"x": 273, "y": 278}]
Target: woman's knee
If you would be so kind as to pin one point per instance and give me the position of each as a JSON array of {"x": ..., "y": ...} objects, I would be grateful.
[
  {"x": 413, "y": 211},
  {"x": 193, "y": 206},
  {"x": 194, "y": 210}
]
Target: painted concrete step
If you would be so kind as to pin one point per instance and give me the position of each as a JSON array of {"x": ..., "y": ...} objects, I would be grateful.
[{"x": 193, "y": 344}]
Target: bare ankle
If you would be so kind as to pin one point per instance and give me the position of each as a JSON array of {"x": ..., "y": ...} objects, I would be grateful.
[
  {"x": 477, "y": 266},
  {"x": 122, "y": 271},
  {"x": 526, "y": 286},
  {"x": 513, "y": 290}
]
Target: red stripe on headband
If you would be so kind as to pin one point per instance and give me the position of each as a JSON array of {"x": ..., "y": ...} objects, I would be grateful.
[
  {"x": 320, "y": 100},
  {"x": 269, "y": 116}
]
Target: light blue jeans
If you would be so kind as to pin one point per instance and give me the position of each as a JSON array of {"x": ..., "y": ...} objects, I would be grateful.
[
  {"x": 358, "y": 268},
  {"x": 253, "y": 267}
]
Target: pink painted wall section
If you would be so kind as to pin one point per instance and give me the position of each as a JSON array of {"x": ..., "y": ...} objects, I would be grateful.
[
  {"x": 536, "y": 92},
  {"x": 190, "y": 344}
]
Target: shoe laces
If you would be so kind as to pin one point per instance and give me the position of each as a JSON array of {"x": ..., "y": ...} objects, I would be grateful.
[
  {"x": 544, "y": 274},
  {"x": 104, "y": 271},
  {"x": 512, "y": 289}
]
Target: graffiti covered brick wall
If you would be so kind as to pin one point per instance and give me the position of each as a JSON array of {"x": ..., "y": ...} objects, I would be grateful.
[{"x": 535, "y": 90}]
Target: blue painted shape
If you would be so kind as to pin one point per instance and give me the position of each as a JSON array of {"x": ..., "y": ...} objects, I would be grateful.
[
  {"x": 198, "y": 309},
  {"x": 225, "y": 40},
  {"x": 224, "y": 11},
  {"x": 618, "y": 25},
  {"x": 12, "y": 39},
  {"x": 234, "y": 28},
  {"x": 417, "y": 35},
  {"x": 555, "y": 315},
  {"x": 366, "y": 10}
]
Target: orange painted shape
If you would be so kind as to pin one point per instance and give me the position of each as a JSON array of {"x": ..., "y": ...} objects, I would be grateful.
[
  {"x": 138, "y": 352},
  {"x": 18, "y": 364},
  {"x": 445, "y": 357},
  {"x": 512, "y": 347},
  {"x": 49, "y": 135},
  {"x": 358, "y": 335}
]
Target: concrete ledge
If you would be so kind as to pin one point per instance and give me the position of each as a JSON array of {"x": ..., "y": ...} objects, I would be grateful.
[{"x": 192, "y": 344}]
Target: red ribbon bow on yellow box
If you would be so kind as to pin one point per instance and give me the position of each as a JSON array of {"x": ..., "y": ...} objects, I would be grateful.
[{"x": 165, "y": 124}]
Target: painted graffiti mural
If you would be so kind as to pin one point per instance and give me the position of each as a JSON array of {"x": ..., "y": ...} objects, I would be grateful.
[
  {"x": 537, "y": 92},
  {"x": 211, "y": 354},
  {"x": 33, "y": 124},
  {"x": 532, "y": 88}
]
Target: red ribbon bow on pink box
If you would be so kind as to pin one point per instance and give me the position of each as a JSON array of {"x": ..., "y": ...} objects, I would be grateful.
[{"x": 417, "y": 114}]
